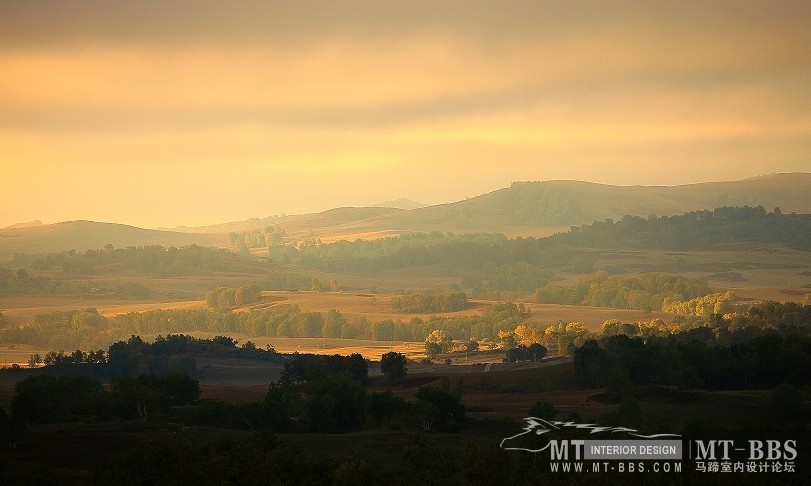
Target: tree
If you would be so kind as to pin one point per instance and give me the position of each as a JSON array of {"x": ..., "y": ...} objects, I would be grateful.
[
  {"x": 35, "y": 360},
  {"x": 427, "y": 412},
  {"x": 394, "y": 366},
  {"x": 356, "y": 367},
  {"x": 385, "y": 406},
  {"x": 134, "y": 399},
  {"x": 334, "y": 286},
  {"x": 534, "y": 352},
  {"x": 432, "y": 349},
  {"x": 590, "y": 362},
  {"x": 451, "y": 410},
  {"x": 443, "y": 340},
  {"x": 537, "y": 351},
  {"x": 315, "y": 285},
  {"x": 179, "y": 388},
  {"x": 507, "y": 339}
]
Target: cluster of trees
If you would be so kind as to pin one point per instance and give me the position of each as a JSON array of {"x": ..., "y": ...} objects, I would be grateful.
[
  {"x": 481, "y": 260},
  {"x": 780, "y": 314},
  {"x": 170, "y": 354},
  {"x": 271, "y": 236},
  {"x": 326, "y": 394},
  {"x": 620, "y": 362},
  {"x": 504, "y": 324},
  {"x": 768, "y": 318},
  {"x": 562, "y": 337},
  {"x": 315, "y": 285},
  {"x": 696, "y": 230},
  {"x": 43, "y": 399},
  {"x": 533, "y": 352},
  {"x": 87, "y": 329},
  {"x": 154, "y": 259},
  {"x": 646, "y": 292},
  {"x": 226, "y": 298},
  {"x": 314, "y": 393},
  {"x": 22, "y": 282},
  {"x": 284, "y": 281},
  {"x": 313, "y": 367},
  {"x": 80, "y": 328},
  {"x": 705, "y": 306},
  {"x": 447, "y": 301},
  {"x": 496, "y": 318},
  {"x": 176, "y": 353}
]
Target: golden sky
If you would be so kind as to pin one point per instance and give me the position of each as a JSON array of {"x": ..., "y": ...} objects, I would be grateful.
[{"x": 165, "y": 113}]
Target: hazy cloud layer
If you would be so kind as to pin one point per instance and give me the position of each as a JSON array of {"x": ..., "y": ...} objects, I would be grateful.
[{"x": 428, "y": 100}]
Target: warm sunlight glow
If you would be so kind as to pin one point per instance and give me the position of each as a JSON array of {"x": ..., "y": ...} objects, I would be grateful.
[{"x": 299, "y": 111}]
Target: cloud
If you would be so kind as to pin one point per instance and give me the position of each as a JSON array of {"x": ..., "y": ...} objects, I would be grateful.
[{"x": 481, "y": 93}]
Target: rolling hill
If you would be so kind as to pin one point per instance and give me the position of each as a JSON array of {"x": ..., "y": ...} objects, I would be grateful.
[
  {"x": 84, "y": 235},
  {"x": 543, "y": 208},
  {"x": 523, "y": 209}
]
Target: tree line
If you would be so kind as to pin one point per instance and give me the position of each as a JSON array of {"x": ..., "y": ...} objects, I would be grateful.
[
  {"x": 447, "y": 301},
  {"x": 620, "y": 362},
  {"x": 173, "y": 353},
  {"x": 269, "y": 237},
  {"x": 21, "y": 282},
  {"x": 646, "y": 292},
  {"x": 502, "y": 324},
  {"x": 45, "y": 399},
  {"x": 226, "y": 298},
  {"x": 155, "y": 259},
  {"x": 87, "y": 329},
  {"x": 480, "y": 260},
  {"x": 719, "y": 303},
  {"x": 696, "y": 230}
]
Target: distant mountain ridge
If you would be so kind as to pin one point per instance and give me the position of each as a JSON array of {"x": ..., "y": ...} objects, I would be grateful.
[
  {"x": 401, "y": 203},
  {"x": 84, "y": 235},
  {"x": 28, "y": 224},
  {"x": 542, "y": 208},
  {"x": 523, "y": 209}
]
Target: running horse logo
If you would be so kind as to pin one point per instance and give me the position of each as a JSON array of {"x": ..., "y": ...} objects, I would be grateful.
[{"x": 538, "y": 434}]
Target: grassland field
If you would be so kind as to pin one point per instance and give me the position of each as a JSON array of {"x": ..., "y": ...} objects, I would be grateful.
[{"x": 754, "y": 273}]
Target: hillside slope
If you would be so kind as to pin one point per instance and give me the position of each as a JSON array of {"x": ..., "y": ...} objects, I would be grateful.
[
  {"x": 542, "y": 208},
  {"x": 523, "y": 209},
  {"x": 84, "y": 235}
]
